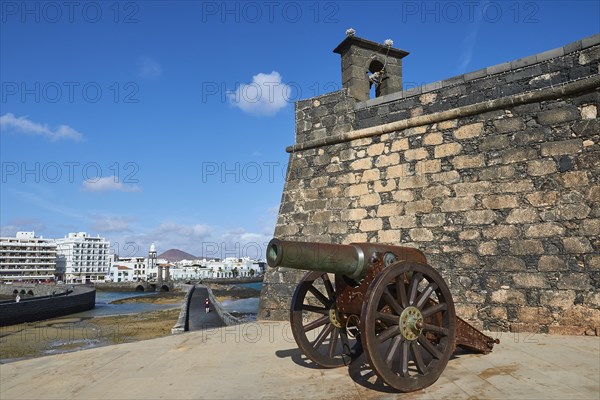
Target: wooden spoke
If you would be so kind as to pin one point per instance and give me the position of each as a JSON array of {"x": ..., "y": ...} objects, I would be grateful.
[
  {"x": 392, "y": 350},
  {"x": 388, "y": 333},
  {"x": 416, "y": 351},
  {"x": 413, "y": 288},
  {"x": 404, "y": 371},
  {"x": 323, "y": 335},
  {"x": 333, "y": 342},
  {"x": 427, "y": 345},
  {"x": 425, "y": 295},
  {"x": 401, "y": 291},
  {"x": 316, "y": 323},
  {"x": 387, "y": 296},
  {"x": 389, "y": 319},
  {"x": 328, "y": 286},
  {"x": 435, "y": 329},
  {"x": 315, "y": 309},
  {"x": 434, "y": 309},
  {"x": 320, "y": 296}
]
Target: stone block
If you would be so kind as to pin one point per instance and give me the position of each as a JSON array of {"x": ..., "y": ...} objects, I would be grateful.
[
  {"x": 447, "y": 177},
  {"x": 587, "y": 127},
  {"x": 398, "y": 171},
  {"x": 375, "y": 149},
  {"x": 435, "y": 191},
  {"x": 428, "y": 166},
  {"x": 524, "y": 185},
  {"x": 469, "y": 131},
  {"x": 371, "y": 175},
  {"x": 532, "y": 315},
  {"x": 541, "y": 167},
  {"x": 464, "y": 161},
  {"x": 449, "y": 124},
  {"x": 589, "y": 111},
  {"x": 575, "y": 179},
  {"x": 522, "y": 216},
  {"x": 389, "y": 236},
  {"x": 501, "y": 231},
  {"x": 526, "y": 247},
  {"x": 577, "y": 245},
  {"x": 403, "y": 195},
  {"x": 573, "y": 211},
  {"x": 523, "y": 327},
  {"x": 390, "y": 209},
  {"x": 457, "y": 204},
  {"x": 387, "y": 160},
  {"x": 545, "y": 229},
  {"x": 571, "y": 146},
  {"x": 558, "y": 115},
  {"x": 400, "y": 145},
  {"x": 419, "y": 206},
  {"x": 510, "y": 156},
  {"x": 530, "y": 280},
  {"x": 472, "y": 188},
  {"x": 489, "y": 248},
  {"x": 480, "y": 217},
  {"x": 357, "y": 190},
  {"x": 551, "y": 263},
  {"x": 496, "y": 172},
  {"x": 384, "y": 185},
  {"x": 542, "y": 199},
  {"x": 498, "y": 312},
  {"x": 574, "y": 281},
  {"x": 416, "y": 154},
  {"x": 508, "y": 296},
  {"x": 369, "y": 200},
  {"x": 413, "y": 182},
  {"x": 403, "y": 221},
  {"x": 566, "y": 330},
  {"x": 356, "y": 237},
  {"x": 497, "y": 202},
  {"x": 433, "y": 219},
  {"x": 469, "y": 234},
  {"x": 446, "y": 150},
  {"x": 353, "y": 214},
  {"x": 509, "y": 125},
  {"x": 591, "y": 227},
  {"x": 496, "y": 142},
  {"x": 365, "y": 163},
  {"x": 374, "y": 224},
  {"x": 421, "y": 235},
  {"x": 432, "y": 139},
  {"x": 558, "y": 298}
]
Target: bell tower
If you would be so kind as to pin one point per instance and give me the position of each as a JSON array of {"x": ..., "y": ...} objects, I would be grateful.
[{"x": 366, "y": 63}]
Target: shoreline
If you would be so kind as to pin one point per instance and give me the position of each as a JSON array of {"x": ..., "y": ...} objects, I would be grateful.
[{"x": 68, "y": 334}]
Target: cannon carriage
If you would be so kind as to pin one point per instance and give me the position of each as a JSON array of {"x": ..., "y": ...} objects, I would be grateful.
[{"x": 383, "y": 300}]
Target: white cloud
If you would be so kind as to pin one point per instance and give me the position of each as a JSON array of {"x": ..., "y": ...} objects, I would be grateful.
[
  {"x": 149, "y": 68},
  {"x": 108, "y": 184},
  {"x": 106, "y": 224},
  {"x": 265, "y": 95},
  {"x": 9, "y": 121}
]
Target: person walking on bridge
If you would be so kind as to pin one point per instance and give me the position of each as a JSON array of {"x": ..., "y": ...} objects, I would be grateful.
[{"x": 207, "y": 305}]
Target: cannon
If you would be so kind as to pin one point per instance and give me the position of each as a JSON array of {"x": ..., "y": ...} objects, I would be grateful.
[{"x": 383, "y": 300}]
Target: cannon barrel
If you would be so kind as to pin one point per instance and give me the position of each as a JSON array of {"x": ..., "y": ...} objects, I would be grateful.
[{"x": 352, "y": 260}]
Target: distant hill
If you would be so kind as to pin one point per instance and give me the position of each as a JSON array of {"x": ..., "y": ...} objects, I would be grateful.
[{"x": 176, "y": 255}]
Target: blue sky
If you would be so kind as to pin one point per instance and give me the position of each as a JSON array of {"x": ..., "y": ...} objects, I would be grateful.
[{"x": 166, "y": 122}]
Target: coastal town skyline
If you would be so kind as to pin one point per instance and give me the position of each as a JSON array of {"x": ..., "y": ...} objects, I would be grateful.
[{"x": 172, "y": 130}]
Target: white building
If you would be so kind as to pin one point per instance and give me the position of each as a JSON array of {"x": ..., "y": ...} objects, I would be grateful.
[
  {"x": 137, "y": 265},
  {"x": 121, "y": 273},
  {"x": 82, "y": 258},
  {"x": 27, "y": 258}
]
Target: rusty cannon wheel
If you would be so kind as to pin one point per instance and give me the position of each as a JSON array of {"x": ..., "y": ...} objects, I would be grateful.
[
  {"x": 408, "y": 326},
  {"x": 319, "y": 330}
]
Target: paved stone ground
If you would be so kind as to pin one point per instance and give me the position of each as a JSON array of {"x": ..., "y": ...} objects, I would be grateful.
[
  {"x": 260, "y": 360},
  {"x": 198, "y": 318}
]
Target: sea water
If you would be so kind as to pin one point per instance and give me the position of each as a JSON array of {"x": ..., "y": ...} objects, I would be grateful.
[{"x": 104, "y": 306}]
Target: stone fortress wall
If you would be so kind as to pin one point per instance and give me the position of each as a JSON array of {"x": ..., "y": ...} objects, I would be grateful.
[{"x": 494, "y": 175}]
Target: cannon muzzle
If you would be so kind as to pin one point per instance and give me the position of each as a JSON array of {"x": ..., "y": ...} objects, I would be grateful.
[
  {"x": 341, "y": 259},
  {"x": 352, "y": 260}
]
